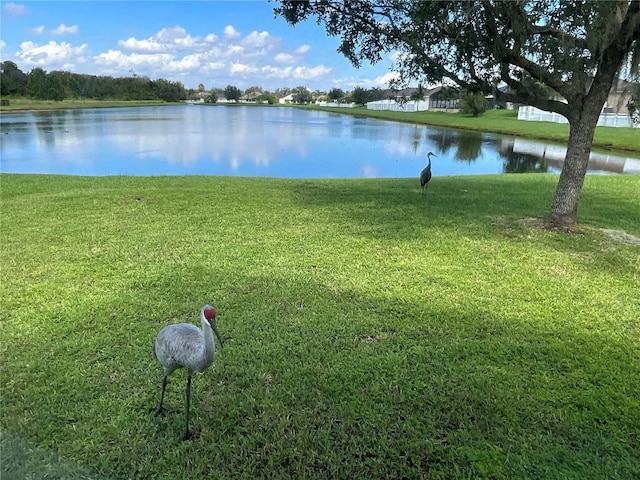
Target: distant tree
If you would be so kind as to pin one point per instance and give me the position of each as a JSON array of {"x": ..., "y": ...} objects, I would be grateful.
[
  {"x": 56, "y": 85},
  {"x": 232, "y": 93},
  {"x": 336, "y": 94},
  {"x": 253, "y": 89},
  {"x": 282, "y": 92},
  {"x": 474, "y": 103},
  {"x": 37, "y": 84},
  {"x": 375, "y": 94},
  {"x": 13, "y": 81},
  {"x": 418, "y": 94},
  {"x": 216, "y": 94},
  {"x": 169, "y": 91},
  {"x": 270, "y": 98},
  {"x": 201, "y": 88},
  {"x": 302, "y": 95},
  {"x": 361, "y": 96}
]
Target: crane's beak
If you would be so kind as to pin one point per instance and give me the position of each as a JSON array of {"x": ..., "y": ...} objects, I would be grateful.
[{"x": 214, "y": 326}]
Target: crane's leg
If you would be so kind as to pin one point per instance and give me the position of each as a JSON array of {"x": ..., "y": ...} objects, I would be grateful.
[
  {"x": 188, "y": 392},
  {"x": 164, "y": 385}
]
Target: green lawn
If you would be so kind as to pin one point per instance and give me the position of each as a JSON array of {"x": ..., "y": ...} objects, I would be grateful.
[{"x": 374, "y": 333}]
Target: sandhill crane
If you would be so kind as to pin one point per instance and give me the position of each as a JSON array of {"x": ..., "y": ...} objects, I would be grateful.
[
  {"x": 425, "y": 175},
  {"x": 187, "y": 346}
]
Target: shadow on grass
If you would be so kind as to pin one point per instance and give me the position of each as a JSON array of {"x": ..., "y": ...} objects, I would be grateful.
[
  {"x": 324, "y": 381},
  {"x": 21, "y": 459},
  {"x": 384, "y": 202},
  {"x": 387, "y": 388},
  {"x": 448, "y": 200}
]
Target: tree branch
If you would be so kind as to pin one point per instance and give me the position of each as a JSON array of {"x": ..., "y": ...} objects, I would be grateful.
[
  {"x": 548, "y": 31},
  {"x": 507, "y": 55}
]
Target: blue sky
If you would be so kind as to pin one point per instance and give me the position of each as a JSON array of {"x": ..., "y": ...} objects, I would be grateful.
[{"x": 216, "y": 43}]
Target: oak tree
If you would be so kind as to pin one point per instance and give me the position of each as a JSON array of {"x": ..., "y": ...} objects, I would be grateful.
[{"x": 574, "y": 49}]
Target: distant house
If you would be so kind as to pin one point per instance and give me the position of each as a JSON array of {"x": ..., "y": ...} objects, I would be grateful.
[
  {"x": 619, "y": 96},
  {"x": 250, "y": 97},
  {"x": 286, "y": 99},
  {"x": 401, "y": 101}
]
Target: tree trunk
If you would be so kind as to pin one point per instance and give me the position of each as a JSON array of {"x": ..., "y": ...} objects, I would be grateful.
[{"x": 563, "y": 214}]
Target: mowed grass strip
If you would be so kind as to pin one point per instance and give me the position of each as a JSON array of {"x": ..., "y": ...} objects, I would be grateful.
[{"x": 373, "y": 333}]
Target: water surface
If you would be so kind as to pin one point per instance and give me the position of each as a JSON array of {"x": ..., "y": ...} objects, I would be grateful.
[{"x": 262, "y": 141}]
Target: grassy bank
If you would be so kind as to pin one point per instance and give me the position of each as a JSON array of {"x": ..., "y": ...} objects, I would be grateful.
[
  {"x": 374, "y": 333},
  {"x": 503, "y": 122}
]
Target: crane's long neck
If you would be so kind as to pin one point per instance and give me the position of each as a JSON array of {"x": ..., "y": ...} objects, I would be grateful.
[{"x": 207, "y": 334}]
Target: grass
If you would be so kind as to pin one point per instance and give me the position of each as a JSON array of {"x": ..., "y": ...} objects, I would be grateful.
[
  {"x": 374, "y": 333},
  {"x": 503, "y": 122}
]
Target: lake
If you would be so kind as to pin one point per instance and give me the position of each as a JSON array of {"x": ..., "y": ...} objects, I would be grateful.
[{"x": 262, "y": 141}]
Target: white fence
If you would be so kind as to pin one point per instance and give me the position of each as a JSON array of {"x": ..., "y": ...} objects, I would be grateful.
[
  {"x": 338, "y": 105},
  {"x": 411, "y": 106},
  {"x": 606, "y": 119}
]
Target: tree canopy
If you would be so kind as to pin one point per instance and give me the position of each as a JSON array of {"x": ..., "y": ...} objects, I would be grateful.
[
  {"x": 555, "y": 55},
  {"x": 231, "y": 92}
]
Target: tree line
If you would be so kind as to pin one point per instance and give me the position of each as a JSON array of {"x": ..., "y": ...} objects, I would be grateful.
[{"x": 59, "y": 85}]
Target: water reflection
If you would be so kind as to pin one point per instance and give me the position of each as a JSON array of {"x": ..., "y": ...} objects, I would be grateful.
[{"x": 255, "y": 141}]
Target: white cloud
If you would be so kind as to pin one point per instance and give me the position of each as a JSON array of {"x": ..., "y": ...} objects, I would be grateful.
[
  {"x": 62, "y": 29},
  {"x": 117, "y": 59},
  {"x": 310, "y": 73},
  {"x": 296, "y": 73},
  {"x": 214, "y": 66},
  {"x": 15, "y": 9},
  {"x": 234, "y": 50},
  {"x": 52, "y": 54},
  {"x": 172, "y": 39},
  {"x": 242, "y": 69},
  {"x": 135, "y": 45},
  {"x": 386, "y": 79},
  {"x": 230, "y": 32},
  {"x": 256, "y": 39},
  {"x": 302, "y": 49},
  {"x": 284, "y": 58},
  {"x": 215, "y": 59},
  {"x": 36, "y": 30},
  {"x": 186, "y": 64}
]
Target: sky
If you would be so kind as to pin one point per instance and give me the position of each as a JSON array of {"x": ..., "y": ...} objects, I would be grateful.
[{"x": 213, "y": 43}]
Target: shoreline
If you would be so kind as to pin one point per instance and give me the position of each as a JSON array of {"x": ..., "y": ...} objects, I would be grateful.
[{"x": 493, "y": 121}]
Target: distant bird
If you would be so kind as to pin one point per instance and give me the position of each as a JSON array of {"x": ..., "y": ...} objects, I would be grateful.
[
  {"x": 425, "y": 174},
  {"x": 187, "y": 346}
]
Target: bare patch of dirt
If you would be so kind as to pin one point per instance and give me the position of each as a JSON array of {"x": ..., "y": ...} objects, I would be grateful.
[
  {"x": 620, "y": 236},
  {"x": 612, "y": 235},
  {"x": 542, "y": 224},
  {"x": 531, "y": 222}
]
